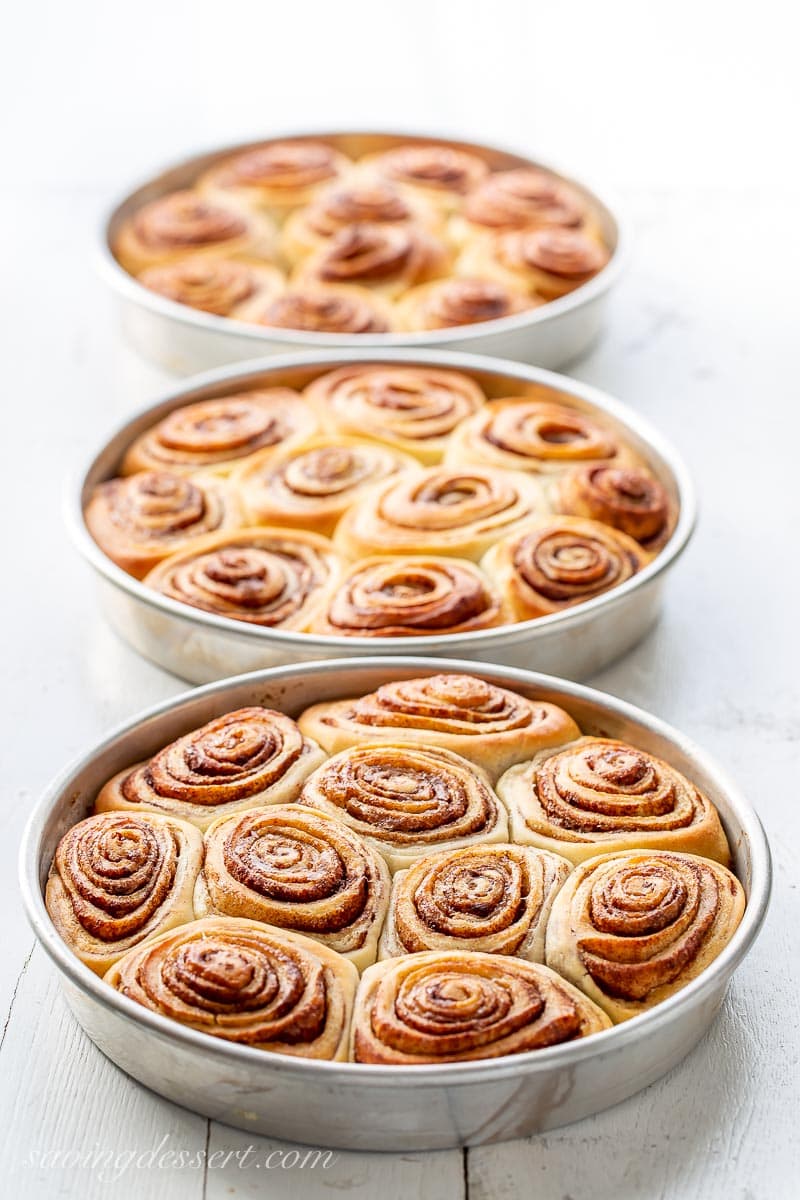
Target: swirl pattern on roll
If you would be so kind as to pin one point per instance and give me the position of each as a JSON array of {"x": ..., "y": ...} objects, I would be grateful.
[
  {"x": 557, "y": 562},
  {"x": 441, "y": 510},
  {"x": 141, "y": 519},
  {"x": 410, "y": 597},
  {"x": 472, "y": 717},
  {"x": 271, "y": 577},
  {"x": 628, "y": 498},
  {"x": 531, "y": 434},
  {"x": 442, "y": 172},
  {"x": 120, "y": 878},
  {"x": 214, "y": 434},
  {"x": 455, "y": 1007},
  {"x": 414, "y": 408},
  {"x": 448, "y": 303},
  {"x": 245, "y": 982},
  {"x": 524, "y": 197},
  {"x": 407, "y": 800},
  {"x": 600, "y": 794},
  {"x": 244, "y": 759},
  {"x": 632, "y": 928},
  {"x": 311, "y": 487},
  {"x": 324, "y": 308},
  {"x": 278, "y": 176},
  {"x": 389, "y": 258},
  {"x": 220, "y": 286},
  {"x": 559, "y": 257},
  {"x": 359, "y": 201},
  {"x": 492, "y": 899}
]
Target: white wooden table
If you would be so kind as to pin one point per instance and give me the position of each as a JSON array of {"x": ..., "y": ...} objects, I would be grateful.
[{"x": 703, "y": 340}]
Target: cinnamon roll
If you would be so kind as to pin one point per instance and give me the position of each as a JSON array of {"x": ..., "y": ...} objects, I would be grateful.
[
  {"x": 407, "y": 800},
  {"x": 528, "y": 433},
  {"x": 326, "y": 308},
  {"x": 413, "y": 408},
  {"x": 410, "y": 597},
  {"x": 543, "y": 262},
  {"x": 277, "y": 176},
  {"x": 440, "y": 510},
  {"x": 186, "y": 222},
  {"x": 486, "y": 724},
  {"x": 290, "y": 866},
  {"x": 244, "y": 759},
  {"x": 449, "y": 303},
  {"x": 488, "y": 899},
  {"x": 557, "y": 562},
  {"x": 223, "y": 287},
  {"x": 247, "y": 983},
  {"x": 632, "y": 928},
  {"x": 214, "y": 434},
  {"x": 118, "y": 879},
  {"x": 455, "y": 1006},
  {"x": 598, "y": 795},
  {"x": 270, "y": 577},
  {"x": 629, "y": 498},
  {"x": 313, "y": 486},
  {"x": 356, "y": 201},
  {"x": 386, "y": 258},
  {"x": 140, "y": 520},
  {"x": 440, "y": 174},
  {"x": 521, "y": 198}
]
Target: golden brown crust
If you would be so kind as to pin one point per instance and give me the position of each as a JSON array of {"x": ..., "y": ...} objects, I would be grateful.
[
  {"x": 488, "y": 899},
  {"x": 244, "y": 759},
  {"x": 410, "y": 597},
  {"x": 215, "y": 434},
  {"x": 118, "y": 879},
  {"x": 547, "y": 262},
  {"x": 632, "y": 928},
  {"x": 291, "y": 866},
  {"x": 557, "y": 562},
  {"x": 453, "y": 1006},
  {"x": 449, "y": 303},
  {"x": 140, "y": 520},
  {"x": 599, "y": 795},
  {"x": 488, "y": 725},
  {"x": 524, "y": 198},
  {"x": 245, "y": 982},
  {"x": 325, "y": 308},
  {"x": 629, "y": 498},
  {"x": 443, "y": 174},
  {"x": 386, "y": 258},
  {"x": 224, "y": 287},
  {"x": 277, "y": 176},
  {"x": 264, "y": 576}
]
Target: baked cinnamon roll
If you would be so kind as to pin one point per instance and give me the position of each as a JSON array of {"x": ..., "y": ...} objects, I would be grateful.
[
  {"x": 440, "y": 510},
  {"x": 386, "y": 258},
  {"x": 543, "y": 262},
  {"x": 532, "y": 434},
  {"x": 413, "y": 408},
  {"x": 270, "y": 577},
  {"x": 407, "y": 800},
  {"x": 224, "y": 287},
  {"x": 521, "y": 198},
  {"x": 440, "y": 174},
  {"x": 410, "y": 597},
  {"x": 599, "y": 795},
  {"x": 557, "y": 562},
  {"x": 247, "y": 983},
  {"x": 448, "y": 303},
  {"x": 244, "y": 759},
  {"x": 118, "y": 879},
  {"x": 187, "y": 222},
  {"x": 140, "y": 520},
  {"x": 356, "y": 201},
  {"x": 313, "y": 486},
  {"x": 454, "y": 1006},
  {"x": 629, "y": 498},
  {"x": 214, "y": 434},
  {"x": 486, "y": 724},
  {"x": 487, "y": 899},
  {"x": 633, "y": 928},
  {"x": 290, "y": 866},
  {"x": 277, "y": 176},
  {"x": 326, "y": 308}
]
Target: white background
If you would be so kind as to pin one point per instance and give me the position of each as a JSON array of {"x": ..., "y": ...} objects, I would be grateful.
[{"x": 689, "y": 112}]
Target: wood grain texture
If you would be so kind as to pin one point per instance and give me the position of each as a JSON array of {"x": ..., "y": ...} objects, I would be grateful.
[{"x": 702, "y": 341}]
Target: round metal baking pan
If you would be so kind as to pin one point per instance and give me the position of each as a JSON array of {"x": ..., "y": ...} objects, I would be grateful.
[
  {"x": 182, "y": 340},
  {"x": 200, "y": 646},
  {"x": 362, "y": 1107}
]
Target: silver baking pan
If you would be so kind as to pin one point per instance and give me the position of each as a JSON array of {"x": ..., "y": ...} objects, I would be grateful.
[
  {"x": 362, "y": 1107},
  {"x": 183, "y": 340},
  {"x": 200, "y": 646}
]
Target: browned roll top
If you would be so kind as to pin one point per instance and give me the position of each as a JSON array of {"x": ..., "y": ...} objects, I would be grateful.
[
  {"x": 212, "y": 285},
  {"x": 370, "y": 253},
  {"x": 442, "y": 168},
  {"x": 567, "y": 253},
  {"x": 566, "y": 564},
  {"x": 371, "y": 201},
  {"x": 524, "y": 197},
  {"x": 319, "y": 310},
  {"x": 629, "y": 498},
  {"x": 289, "y": 165},
  {"x": 186, "y": 219}
]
